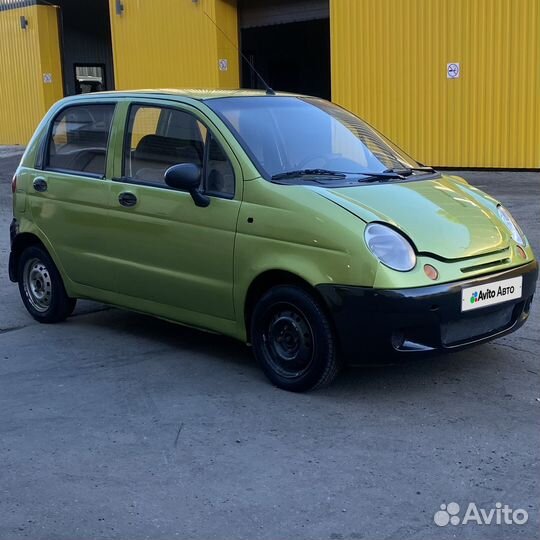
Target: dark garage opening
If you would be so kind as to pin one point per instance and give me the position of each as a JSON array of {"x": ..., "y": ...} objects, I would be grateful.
[
  {"x": 292, "y": 57},
  {"x": 85, "y": 33}
]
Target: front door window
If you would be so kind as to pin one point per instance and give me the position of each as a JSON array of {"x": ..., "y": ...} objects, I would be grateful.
[{"x": 160, "y": 137}]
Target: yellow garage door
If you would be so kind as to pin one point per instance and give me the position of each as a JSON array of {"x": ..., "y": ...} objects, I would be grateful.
[
  {"x": 454, "y": 82},
  {"x": 175, "y": 44}
]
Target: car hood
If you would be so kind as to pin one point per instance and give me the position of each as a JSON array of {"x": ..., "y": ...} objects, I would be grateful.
[{"x": 445, "y": 216}]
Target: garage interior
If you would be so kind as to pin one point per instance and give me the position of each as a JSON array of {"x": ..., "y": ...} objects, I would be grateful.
[
  {"x": 86, "y": 46},
  {"x": 288, "y": 42}
]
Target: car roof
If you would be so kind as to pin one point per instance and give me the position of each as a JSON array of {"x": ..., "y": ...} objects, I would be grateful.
[{"x": 196, "y": 94}]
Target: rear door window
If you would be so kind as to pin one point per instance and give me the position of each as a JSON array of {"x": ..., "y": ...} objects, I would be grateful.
[{"x": 79, "y": 138}]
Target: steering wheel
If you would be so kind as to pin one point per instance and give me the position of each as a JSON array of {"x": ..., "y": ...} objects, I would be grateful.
[
  {"x": 326, "y": 159},
  {"x": 329, "y": 161}
]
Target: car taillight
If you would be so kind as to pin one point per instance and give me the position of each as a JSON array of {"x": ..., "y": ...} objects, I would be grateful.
[{"x": 14, "y": 184}]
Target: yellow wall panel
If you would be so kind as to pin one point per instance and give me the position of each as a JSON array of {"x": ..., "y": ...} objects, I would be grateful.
[
  {"x": 226, "y": 15},
  {"x": 51, "y": 61},
  {"x": 389, "y": 60},
  {"x": 172, "y": 43},
  {"x": 25, "y": 57}
]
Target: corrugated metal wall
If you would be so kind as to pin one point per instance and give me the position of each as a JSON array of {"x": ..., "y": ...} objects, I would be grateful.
[
  {"x": 171, "y": 43},
  {"x": 389, "y": 60},
  {"x": 226, "y": 16},
  {"x": 389, "y": 64},
  {"x": 30, "y": 70}
]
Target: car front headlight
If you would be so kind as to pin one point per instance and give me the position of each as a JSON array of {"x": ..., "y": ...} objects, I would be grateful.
[
  {"x": 511, "y": 225},
  {"x": 390, "y": 247}
]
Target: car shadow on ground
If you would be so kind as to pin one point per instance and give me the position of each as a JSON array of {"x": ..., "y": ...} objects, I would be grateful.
[
  {"x": 408, "y": 373},
  {"x": 165, "y": 333}
]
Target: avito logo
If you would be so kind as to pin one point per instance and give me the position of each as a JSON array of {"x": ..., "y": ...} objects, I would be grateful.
[
  {"x": 491, "y": 293},
  {"x": 500, "y": 515}
]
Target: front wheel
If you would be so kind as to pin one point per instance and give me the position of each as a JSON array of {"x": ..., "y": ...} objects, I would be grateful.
[
  {"x": 293, "y": 339},
  {"x": 41, "y": 287}
]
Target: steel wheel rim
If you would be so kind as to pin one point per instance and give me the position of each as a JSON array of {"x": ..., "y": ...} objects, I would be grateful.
[
  {"x": 37, "y": 285},
  {"x": 288, "y": 341}
]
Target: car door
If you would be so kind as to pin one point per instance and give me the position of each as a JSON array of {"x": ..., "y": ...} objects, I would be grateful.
[
  {"x": 169, "y": 253},
  {"x": 68, "y": 192}
]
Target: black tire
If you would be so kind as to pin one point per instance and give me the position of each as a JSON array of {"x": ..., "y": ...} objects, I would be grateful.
[
  {"x": 293, "y": 339},
  {"x": 41, "y": 287}
]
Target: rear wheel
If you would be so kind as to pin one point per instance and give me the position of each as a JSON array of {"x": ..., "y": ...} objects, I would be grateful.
[
  {"x": 41, "y": 287},
  {"x": 293, "y": 340}
]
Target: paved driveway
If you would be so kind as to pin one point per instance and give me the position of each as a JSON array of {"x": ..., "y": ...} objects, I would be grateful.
[{"x": 116, "y": 425}]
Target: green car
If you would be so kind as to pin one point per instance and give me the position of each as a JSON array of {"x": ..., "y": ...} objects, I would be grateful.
[{"x": 281, "y": 220}]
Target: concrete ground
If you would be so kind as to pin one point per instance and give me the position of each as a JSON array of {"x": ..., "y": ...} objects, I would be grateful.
[{"x": 116, "y": 425}]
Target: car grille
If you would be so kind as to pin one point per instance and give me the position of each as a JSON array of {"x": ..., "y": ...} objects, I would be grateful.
[
  {"x": 476, "y": 326},
  {"x": 487, "y": 261}
]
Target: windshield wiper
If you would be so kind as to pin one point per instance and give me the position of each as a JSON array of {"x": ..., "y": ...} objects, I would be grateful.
[
  {"x": 387, "y": 174},
  {"x": 400, "y": 174},
  {"x": 407, "y": 171},
  {"x": 308, "y": 172}
]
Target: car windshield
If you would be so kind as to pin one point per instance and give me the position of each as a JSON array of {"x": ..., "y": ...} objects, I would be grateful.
[{"x": 284, "y": 135}]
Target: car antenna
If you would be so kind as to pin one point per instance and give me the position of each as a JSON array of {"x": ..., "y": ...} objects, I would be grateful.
[{"x": 269, "y": 90}]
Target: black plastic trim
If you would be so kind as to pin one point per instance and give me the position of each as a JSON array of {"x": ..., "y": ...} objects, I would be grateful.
[
  {"x": 127, "y": 199},
  {"x": 366, "y": 319},
  {"x": 13, "y": 232}
]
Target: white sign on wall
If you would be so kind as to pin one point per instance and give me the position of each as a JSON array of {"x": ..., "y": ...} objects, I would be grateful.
[
  {"x": 453, "y": 70},
  {"x": 47, "y": 78},
  {"x": 223, "y": 64}
]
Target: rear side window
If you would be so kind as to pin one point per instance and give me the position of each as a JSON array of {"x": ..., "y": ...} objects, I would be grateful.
[{"x": 79, "y": 138}]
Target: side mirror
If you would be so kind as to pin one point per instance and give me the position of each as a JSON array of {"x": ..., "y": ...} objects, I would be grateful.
[{"x": 187, "y": 177}]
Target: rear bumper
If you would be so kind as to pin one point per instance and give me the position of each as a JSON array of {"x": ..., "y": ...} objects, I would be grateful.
[
  {"x": 423, "y": 318},
  {"x": 13, "y": 230}
]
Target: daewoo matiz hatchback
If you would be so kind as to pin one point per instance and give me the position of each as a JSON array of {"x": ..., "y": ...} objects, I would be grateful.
[{"x": 281, "y": 220}]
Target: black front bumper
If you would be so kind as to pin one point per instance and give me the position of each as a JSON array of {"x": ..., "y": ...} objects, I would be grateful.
[{"x": 424, "y": 318}]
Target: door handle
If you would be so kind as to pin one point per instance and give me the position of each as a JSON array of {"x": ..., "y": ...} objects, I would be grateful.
[
  {"x": 40, "y": 184},
  {"x": 127, "y": 199}
]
